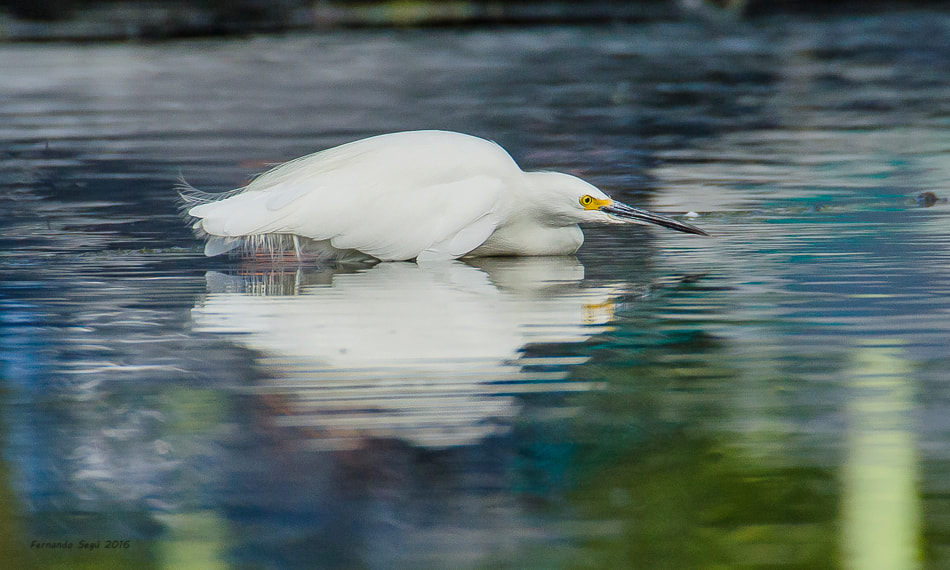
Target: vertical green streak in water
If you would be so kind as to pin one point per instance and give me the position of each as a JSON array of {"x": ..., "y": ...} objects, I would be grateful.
[
  {"x": 881, "y": 511},
  {"x": 12, "y": 540},
  {"x": 194, "y": 541}
]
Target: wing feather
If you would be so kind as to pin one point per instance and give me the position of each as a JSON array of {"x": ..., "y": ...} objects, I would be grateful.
[
  {"x": 392, "y": 197},
  {"x": 462, "y": 242},
  {"x": 403, "y": 228}
]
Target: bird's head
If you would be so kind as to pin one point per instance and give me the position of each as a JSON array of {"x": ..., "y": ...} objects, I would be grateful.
[{"x": 571, "y": 200}]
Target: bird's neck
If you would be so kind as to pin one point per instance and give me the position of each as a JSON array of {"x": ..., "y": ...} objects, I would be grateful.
[{"x": 550, "y": 197}]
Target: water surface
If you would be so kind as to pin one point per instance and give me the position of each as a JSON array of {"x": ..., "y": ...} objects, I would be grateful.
[{"x": 772, "y": 396}]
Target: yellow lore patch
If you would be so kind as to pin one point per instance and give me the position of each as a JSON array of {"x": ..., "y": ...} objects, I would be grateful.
[{"x": 591, "y": 203}]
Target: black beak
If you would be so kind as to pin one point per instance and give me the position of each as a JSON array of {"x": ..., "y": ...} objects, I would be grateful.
[{"x": 627, "y": 213}]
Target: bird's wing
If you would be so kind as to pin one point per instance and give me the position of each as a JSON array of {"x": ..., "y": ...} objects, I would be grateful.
[
  {"x": 439, "y": 221},
  {"x": 388, "y": 219},
  {"x": 462, "y": 241}
]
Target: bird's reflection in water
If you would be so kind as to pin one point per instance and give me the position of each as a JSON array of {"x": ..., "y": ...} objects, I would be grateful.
[{"x": 433, "y": 355}]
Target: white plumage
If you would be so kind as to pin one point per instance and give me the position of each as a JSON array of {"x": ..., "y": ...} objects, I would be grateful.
[{"x": 421, "y": 195}]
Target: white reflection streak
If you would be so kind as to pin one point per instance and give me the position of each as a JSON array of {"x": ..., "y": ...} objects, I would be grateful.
[
  {"x": 881, "y": 513},
  {"x": 430, "y": 354}
]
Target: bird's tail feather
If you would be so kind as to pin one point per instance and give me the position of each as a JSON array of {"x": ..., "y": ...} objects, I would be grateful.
[
  {"x": 273, "y": 245},
  {"x": 189, "y": 197}
]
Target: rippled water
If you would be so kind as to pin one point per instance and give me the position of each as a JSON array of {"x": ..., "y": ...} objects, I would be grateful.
[{"x": 772, "y": 396}]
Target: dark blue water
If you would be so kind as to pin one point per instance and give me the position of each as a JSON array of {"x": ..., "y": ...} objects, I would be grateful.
[{"x": 772, "y": 396}]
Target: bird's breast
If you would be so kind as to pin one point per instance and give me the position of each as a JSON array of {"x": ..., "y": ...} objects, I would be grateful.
[{"x": 531, "y": 239}]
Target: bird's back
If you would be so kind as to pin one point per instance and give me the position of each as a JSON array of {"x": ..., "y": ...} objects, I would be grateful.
[{"x": 413, "y": 158}]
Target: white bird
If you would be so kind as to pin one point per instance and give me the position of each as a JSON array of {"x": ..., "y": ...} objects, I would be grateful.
[{"x": 423, "y": 195}]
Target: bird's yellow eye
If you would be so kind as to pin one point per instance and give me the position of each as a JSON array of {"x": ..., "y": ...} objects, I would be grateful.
[{"x": 588, "y": 202}]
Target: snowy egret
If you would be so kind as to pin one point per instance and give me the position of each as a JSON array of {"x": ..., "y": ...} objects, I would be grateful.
[{"x": 423, "y": 195}]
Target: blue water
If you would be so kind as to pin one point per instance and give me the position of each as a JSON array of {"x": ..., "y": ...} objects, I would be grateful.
[{"x": 771, "y": 396}]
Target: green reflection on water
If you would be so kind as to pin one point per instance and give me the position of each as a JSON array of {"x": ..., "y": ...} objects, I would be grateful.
[
  {"x": 686, "y": 488},
  {"x": 880, "y": 506},
  {"x": 13, "y": 545},
  {"x": 76, "y": 539},
  {"x": 193, "y": 411},
  {"x": 691, "y": 503},
  {"x": 685, "y": 459},
  {"x": 20, "y": 549},
  {"x": 194, "y": 540}
]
